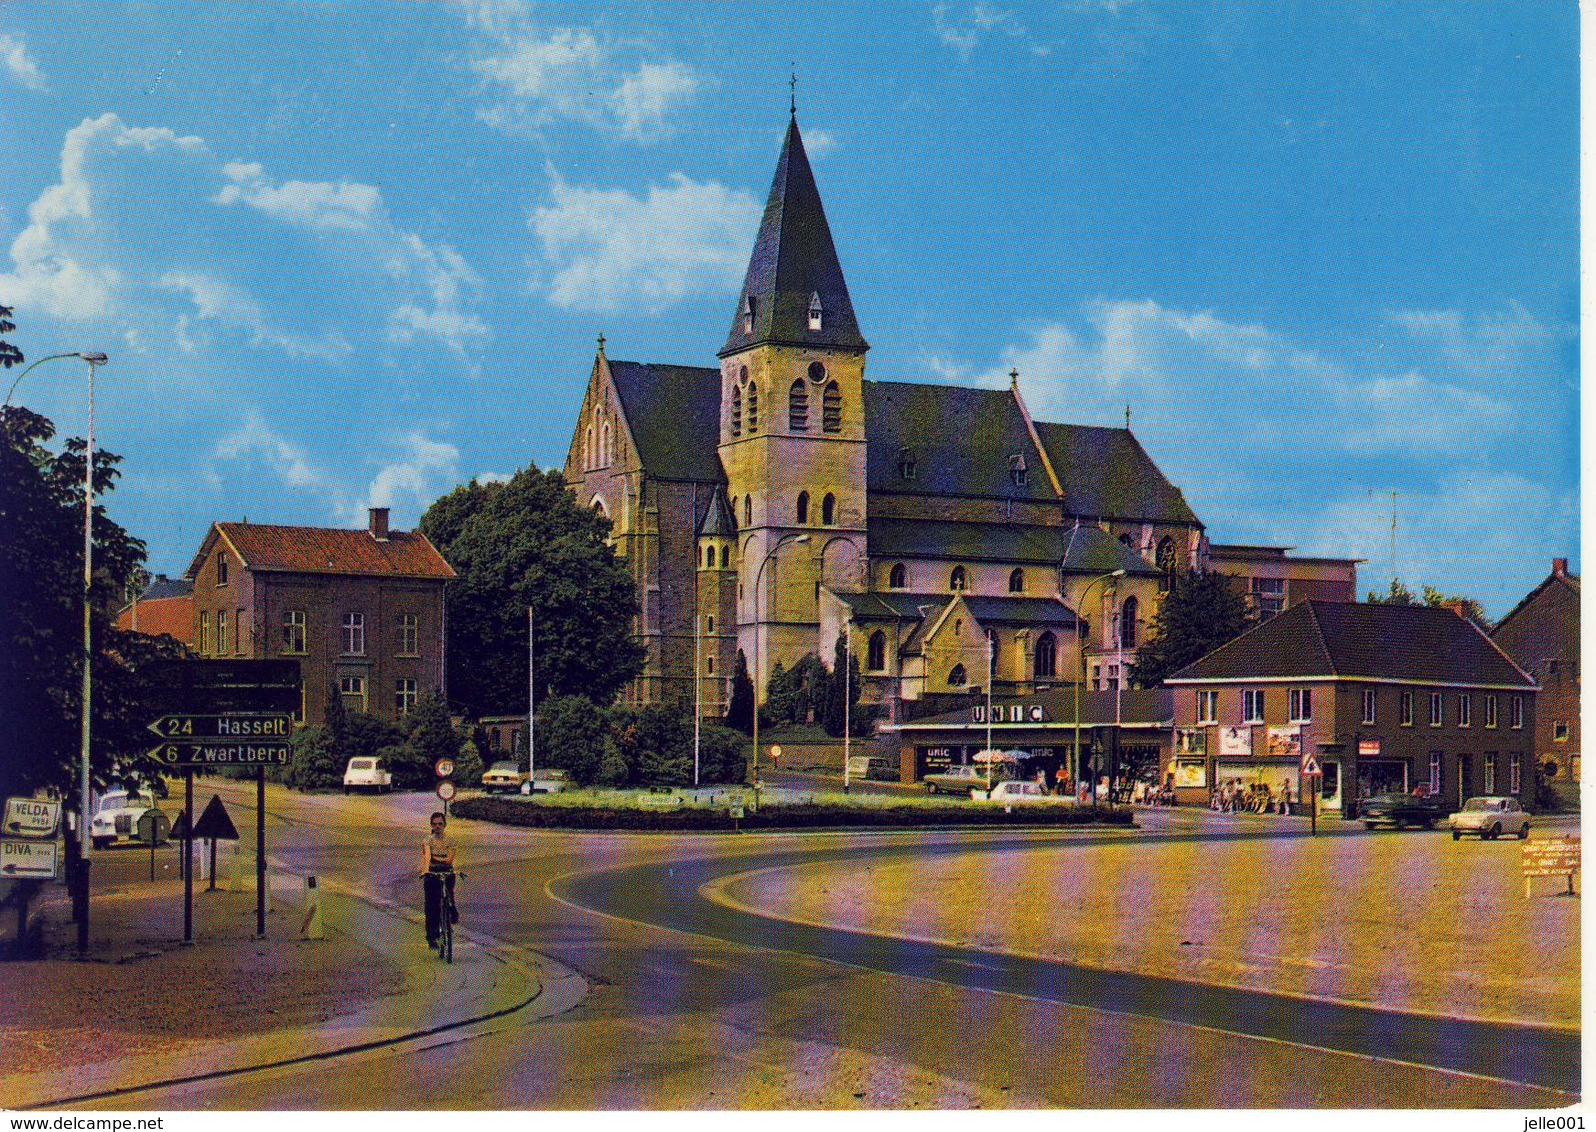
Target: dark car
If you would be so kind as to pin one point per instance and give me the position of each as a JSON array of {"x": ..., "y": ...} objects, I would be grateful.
[{"x": 1398, "y": 810}]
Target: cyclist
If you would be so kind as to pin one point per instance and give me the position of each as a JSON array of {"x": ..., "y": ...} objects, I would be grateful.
[{"x": 437, "y": 873}]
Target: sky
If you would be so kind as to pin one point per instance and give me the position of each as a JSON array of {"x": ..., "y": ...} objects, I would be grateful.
[{"x": 345, "y": 255}]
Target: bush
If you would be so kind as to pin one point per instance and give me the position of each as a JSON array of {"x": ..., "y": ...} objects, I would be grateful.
[
  {"x": 572, "y": 730},
  {"x": 315, "y": 764},
  {"x": 722, "y": 755}
]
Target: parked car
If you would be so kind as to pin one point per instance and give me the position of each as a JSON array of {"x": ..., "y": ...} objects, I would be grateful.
[
  {"x": 117, "y": 818},
  {"x": 961, "y": 780},
  {"x": 1013, "y": 791},
  {"x": 367, "y": 774},
  {"x": 871, "y": 769},
  {"x": 1397, "y": 810},
  {"x": 1488, "y": 818},
  {"x": 547, "y": 780},
  {"x": 503, "y": 777}
]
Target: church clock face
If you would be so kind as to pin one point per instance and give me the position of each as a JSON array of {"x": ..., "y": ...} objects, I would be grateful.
[{"x": 817, "y": 372}]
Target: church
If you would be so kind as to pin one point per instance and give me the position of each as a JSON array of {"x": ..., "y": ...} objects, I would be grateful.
[{"x": 780, "y": 499}]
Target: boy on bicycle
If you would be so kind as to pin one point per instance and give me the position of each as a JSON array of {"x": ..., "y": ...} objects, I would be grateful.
[{"x": 437, "y": 874}]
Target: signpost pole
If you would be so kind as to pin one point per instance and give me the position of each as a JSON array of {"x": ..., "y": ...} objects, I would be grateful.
[
  {"x": 1313, "y": 819},
  {"x": 260, "y": 852},
  {"x": 188, "y": 856}
]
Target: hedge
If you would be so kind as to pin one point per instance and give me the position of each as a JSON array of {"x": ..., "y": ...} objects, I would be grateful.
[{"x": 507, "y": 811}]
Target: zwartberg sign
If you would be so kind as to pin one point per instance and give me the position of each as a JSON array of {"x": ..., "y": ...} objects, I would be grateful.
[{"x": 223, "y": 754}]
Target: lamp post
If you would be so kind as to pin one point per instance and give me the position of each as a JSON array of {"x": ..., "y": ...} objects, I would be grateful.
[
  {"x": 1101, "y": 578},
  {"x": 847, "y": 659},
  {"x": 758, "y": 574},
  {"x": 81, "y": 901}
]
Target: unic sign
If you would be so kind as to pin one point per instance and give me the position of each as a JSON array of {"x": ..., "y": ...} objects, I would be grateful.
[{"x": 1010, "y": 713}]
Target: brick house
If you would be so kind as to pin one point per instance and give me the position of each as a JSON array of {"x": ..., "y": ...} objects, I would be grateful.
[
  {"x": 1541, "y": 634},
  {"x": 165, "y": 608},
  {"x": 362, "y": 609},
  {"x": 1386, "y": 697}
]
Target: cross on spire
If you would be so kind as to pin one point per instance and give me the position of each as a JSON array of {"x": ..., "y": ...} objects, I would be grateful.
[
  {"x": 792, "y": 84},
  {"x": 601, "y": 342}
]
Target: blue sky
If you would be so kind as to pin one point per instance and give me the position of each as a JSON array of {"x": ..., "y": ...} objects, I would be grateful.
[{"x": 355, "y": 254}]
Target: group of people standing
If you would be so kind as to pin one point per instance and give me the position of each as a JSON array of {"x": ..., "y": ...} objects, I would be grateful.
[{"x": 1251, "y": 798}]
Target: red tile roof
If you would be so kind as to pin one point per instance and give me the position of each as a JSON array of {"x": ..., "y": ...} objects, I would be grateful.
[
  {"x": 171, "y": 615},
  {"x": 318, "y": 550}
]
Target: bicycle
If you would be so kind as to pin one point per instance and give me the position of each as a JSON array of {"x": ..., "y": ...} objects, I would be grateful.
[{"x": 447, "y": 914}]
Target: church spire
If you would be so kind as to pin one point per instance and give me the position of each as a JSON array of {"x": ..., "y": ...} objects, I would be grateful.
[{"x": 794, "y": 293}]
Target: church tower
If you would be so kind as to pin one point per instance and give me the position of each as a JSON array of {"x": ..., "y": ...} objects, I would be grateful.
[{"x": 792, "y": 432}]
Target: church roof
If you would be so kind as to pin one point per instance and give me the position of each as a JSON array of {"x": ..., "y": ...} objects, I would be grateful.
[
  {"x": 673, "y": 413},
  {"x": 718, "y": 521},
  {"x": 1092, "y": 550},
  {"x": 1107, "y": 474},
  {"x": 992, "y": 542},
  {"x": 794, "y": 260},
  {"x": 961, "y": 440}
]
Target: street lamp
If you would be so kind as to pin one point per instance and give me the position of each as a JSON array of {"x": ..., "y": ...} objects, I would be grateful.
[
  {"x": 847, "y": 657},
  {"x": 1083, "y": 603},
  {"x": 81, "y": 902},
  {"x": 758, "y": 574}
]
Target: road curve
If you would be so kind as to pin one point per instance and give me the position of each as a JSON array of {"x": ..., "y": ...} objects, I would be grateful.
[{"x": 667, "y": 895}]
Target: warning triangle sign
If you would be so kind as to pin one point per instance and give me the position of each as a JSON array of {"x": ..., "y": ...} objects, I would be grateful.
[
  {"x": 1310, "y": 767},
  {"x": 180, "y": 826},
  {"x": 214, "y": 824}
]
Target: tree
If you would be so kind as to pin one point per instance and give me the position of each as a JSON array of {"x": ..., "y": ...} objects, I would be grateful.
[
  {"x": 842, "y": 695},
  {"x": 575, "y": 728},
  {"x": 722, "y": 755},
  {"x": 740, "y": 710},
  {"x": 798, "y": 694},
  {"x": 528, "y": 543},
  {"x": 1200, "y": 612},
  {"x": 9, "y": 354},
  {"x": 41, "y": 616},
  {"x": 1399, "y": 594},
  {"x": 431, "y": 736}
]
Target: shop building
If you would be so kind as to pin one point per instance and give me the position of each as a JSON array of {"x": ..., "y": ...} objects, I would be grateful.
[
  {"x": 1120, "y": 733},
  {"x": 1541, "y": 634},
  {"x": 1384, "y": 697}
]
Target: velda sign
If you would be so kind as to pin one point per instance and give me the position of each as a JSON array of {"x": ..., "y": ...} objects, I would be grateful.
[{"x": 30, "y": 817}]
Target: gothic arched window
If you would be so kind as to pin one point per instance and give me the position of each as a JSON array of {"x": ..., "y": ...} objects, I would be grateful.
[
  {"x": 709, "y": 558},
  {"x": 803, "y": 507},
  {"x": 1127, "y": 624},
  {"x": 606, "y": 452},
  {"x": 798, "y": 407},
  {"x": 737, "y": 411},
  {"x": 753, "y": 408},
  {"x": 876, "y": 654},
  {"x": 898, "y": 576},
  {"x": 831, "y": 408},
  {"x": 1016, "y": 581},
  {"x": 748, "y": 510},
  {"x": 1166, "y": 553},
  {"x": 828, "y": 510},
  {"x": 957, "y": 678},
  {"x": 1045, "y": 662},
  {"x": 589, "y": 460},
  {"x": 725, "y": 558},
  {"x": 956, "y": 581}
]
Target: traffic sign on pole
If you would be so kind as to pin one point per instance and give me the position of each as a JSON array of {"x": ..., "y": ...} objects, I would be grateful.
[
  {"x": 1310, "y": 766},
  {"x": 27, "y": 860},
  {"x": 187, "y": 754},
  {"x": 443, "y": 768},
  {"x": 224, "y": 728},
  {"x": 31, "y": 817}
]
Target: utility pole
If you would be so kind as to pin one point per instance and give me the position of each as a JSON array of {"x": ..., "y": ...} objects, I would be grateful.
[
  {"x": 531, "y": 708},
  {"x": 698, "y": 713}
]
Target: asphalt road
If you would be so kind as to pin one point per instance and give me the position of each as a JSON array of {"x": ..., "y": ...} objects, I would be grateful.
[{"x": 694, "y": 1005}]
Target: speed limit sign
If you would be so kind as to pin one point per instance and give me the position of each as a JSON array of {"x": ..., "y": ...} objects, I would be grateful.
[
  {"x": 443, "y": 768},
  {"x": 775, "y": 751},
  {"x": 446, "y": 790}
]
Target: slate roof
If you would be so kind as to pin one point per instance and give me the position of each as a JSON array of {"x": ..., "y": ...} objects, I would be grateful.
[
  {"x": 1018, "y": 610},
  {"x": 893, "y": 605},
  {"x": 1354, "y": 639},
  {"x": 1571, "y": 581},
  {"x": 673, "y": 413},
  {"x": 1106, "y": 473},
  {"x": 1137, "y": 706},
  {"x": 1092, "y": 550},
  {"x": 718, "y": 521},
  {"x": 992, "y": 542},
  {"x": 961, "y": 438},
  {"x": 163, "y": 587},
  {"x": 793, "y": 259},
  {"x": 319, "y": 550}
]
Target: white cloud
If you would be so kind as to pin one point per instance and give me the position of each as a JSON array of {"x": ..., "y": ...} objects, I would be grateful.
[
  {"x": 535, "y": 75},
  {"x": 981, "y": 20},
  {"x": 287, "y": 461},
  {"x": 231, "y": 305},
  {"x": 448, "y": 326},
  {"x": 818, "y": 143},
  {"x": 423, "y": 470},
  {"x": 17, "y": 63},
  {"x": 609, "y": 250},
  {"x": 1493, "y": 343}
]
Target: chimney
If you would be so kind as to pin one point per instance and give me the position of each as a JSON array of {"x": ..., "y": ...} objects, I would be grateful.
[
  {"x": 1559, "y": 567},
  {"x": 379, "y": 523}
]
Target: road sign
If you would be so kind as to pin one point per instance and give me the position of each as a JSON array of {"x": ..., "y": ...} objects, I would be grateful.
[
  {"x": 188, "y": 754},
  {"x": 27, "y": 860},
  {"x": 443, "y": 768},
  {"x": 1551, "y": 857},
  {"x": 446, "y": 790},
  {"x": 214, "y": 824},
  {"x": 202, "y": 686},
  {"x": 775, "y": 751},
  {"x": 1310, "y": 766},
  {"x": 154, "y": 828},
  {"x": 31, "y": 817},
  {"x": 224, "y": 728}
]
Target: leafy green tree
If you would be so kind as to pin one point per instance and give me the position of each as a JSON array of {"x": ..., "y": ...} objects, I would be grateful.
[
  {"x": 740, "y": 710},
  {"x": 430, "y": 736},
  {"x": 41, "y": 616},
  {"x": 529, "y": 543},
  {"x": 1399, "y": 594},
  {"x": 1201, "y": 611},
  {"x": 798, "y": 694},
  {"x": 573, "y": 729},
  {"x": 722, "y": 755},
  {"x": 9, "y": 354},
  {"x": 842, "y": 696}
]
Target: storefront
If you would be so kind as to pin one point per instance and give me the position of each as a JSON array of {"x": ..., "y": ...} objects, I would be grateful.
[{"x": 1274, "y": 775}]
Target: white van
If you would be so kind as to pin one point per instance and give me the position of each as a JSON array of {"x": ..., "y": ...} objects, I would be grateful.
[{"x": 367, "y": 774}]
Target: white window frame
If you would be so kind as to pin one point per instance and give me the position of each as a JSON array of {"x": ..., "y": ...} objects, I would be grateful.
[
  {"x": 353, "y": 686},
  {"x": 1490, "y": 772},
  {"x": 1435, "y": 772},
  {"x": 224, "y": 638},
  {"x": 410, "y": 633},
  {"x": 1515, "y": 774},
  {"x": 1368, "y": 705},
  {"x": 1437, "y": 709},
  {"x": 405, "y": 695},
  {"x": 354, "y": 634},
  {"x": 296, "y": 635},
  {"x": 1300, "y": 705},
  {"x": 1516, "y": 713},
  {"x": 1207, "y": 706},
  {"x": 205, "y": 640},
  {"x": 1252, "y": 705},
  {"x": 1490, "y": 711},
  {"x": 1465, "y": 710}
]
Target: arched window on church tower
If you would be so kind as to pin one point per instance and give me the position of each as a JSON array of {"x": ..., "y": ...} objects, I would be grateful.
[
  {"x": 753, "y": 408},
  {"x": 828, "y": 510},
  {"x": 1016, "y": 581},
  {"x": 876, "y": 654},
  {"x": 956, "y": 580},
  {"x": 725, "y": 559},
  {"x": 588, "y": 458},
  {"x": 803, "y": 508},
  {"x": 816, "y": 311},
  {"x": 798, "y": 407},
  {"x": 1045, "y": 662},
  {"x": 606, "y": 451},
  {"x": 898, "y": 577},
  {"x": 748, "y": 510},
  {"x": 831, "y": 408},
  {"x": 736, "y": 411}
]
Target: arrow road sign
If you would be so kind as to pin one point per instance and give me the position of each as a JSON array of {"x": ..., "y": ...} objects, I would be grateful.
[
  {"x": 27, "y": 860},
  {"x": 223, "y": 728},
  {"x": 31, "y": 817},
  {"x": 187, "y": 753}
]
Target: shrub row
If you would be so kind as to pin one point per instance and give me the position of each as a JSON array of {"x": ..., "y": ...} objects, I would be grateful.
[{"x": 508, "y": 811}]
